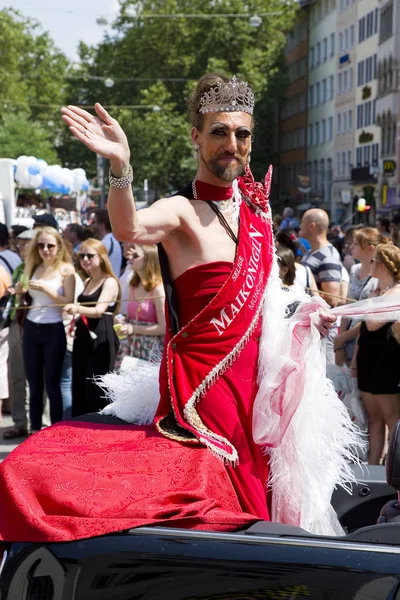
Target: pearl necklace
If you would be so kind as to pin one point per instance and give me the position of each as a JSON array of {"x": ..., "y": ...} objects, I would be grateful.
[{"x": 230, "y": 208}]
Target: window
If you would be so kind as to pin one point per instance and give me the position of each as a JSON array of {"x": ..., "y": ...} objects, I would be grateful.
[
  {"x": 348, "y": 161},
  {"x": 350, "y": 120},
  {"x": 376, "y": 19},
  {"x": 374, "y": 74},
  {"x": 331, "y": 86},
  {"x": 375, "y": 154},
  {"x": 323, "y": 131},
  {"x": 361, "y": 30},
  {"x": 370, "y": 24},
  {"x": 359, "y": 157},
  {"x": 338, "y": 164},
  {"x": 317, "y": 94},
  {"x": 301, "y": 137},
  {"x": 374, "y": 111},
  {"x": 316, "y": 132},
  {"x": 325, "y": 49},
  {"x": 332, "y": 44},
  {"x": 350, "y": 79},
  {"x": 366, "y": 153},
  {"x": 338, "y": 124},
  {"x": 330, "y": 129},
  {"x": 344, "y": 122},
  {"x": 340, "y": 42},
  {"x": 367, "y": 114},
  {"x": 339, "y": 91},
  {"x": 318, "y": 54},
  {"x": 310, "y": 135},
  {"x": 360, "y": 74},
  {"x": 368, "y": 69},
  {"x": 323, "y": 90},
  {"x": 343, "y": 163},
  {"x": 360, "y": 113},
  {"x": 346, "y": 39},
  {"x": 311, "y": 58},
  {"x": 386, "y": 24},
  {"x": 344, "y": 81},
  {"x": 311, "y": 96},
  {"x": 352, "y": 36}
]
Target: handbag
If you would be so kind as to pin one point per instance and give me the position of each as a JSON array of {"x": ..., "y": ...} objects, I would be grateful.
[{"x": 22, "y": 309}]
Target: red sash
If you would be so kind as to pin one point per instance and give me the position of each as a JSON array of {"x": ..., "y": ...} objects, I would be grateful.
[{"x": 209, "y": 344}]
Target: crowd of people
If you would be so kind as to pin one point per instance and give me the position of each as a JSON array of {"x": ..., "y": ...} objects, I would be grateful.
[
  {"x": 79, "y": 304},
  {"x": 73, "y": 304},
  {"x": 358, "y": 263}
]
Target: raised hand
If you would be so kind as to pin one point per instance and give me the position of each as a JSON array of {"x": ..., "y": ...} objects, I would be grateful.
[{"x": 101, "y": 133}]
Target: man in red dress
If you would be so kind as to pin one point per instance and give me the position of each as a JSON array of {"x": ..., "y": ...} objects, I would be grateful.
[{"x": 217, "y": 237}]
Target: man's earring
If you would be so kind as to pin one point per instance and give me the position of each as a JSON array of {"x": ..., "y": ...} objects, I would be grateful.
[{"x": 196, "y": 148}]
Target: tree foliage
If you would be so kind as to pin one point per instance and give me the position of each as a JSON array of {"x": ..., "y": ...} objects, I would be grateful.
[
  {"x": 32, "y": 80},
  {"x": 155, "y": 61},
  {"x": 19, "y": 135}
]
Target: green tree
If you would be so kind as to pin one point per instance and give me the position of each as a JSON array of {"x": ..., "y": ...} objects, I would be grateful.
[
  {"x": 177, "y": 51},
  {"x": 19, "y": 135},
  {"x": 32, "y": 75}
]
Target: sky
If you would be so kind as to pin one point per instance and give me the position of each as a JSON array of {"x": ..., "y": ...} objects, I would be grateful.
[{"x": 68, "y": 22}]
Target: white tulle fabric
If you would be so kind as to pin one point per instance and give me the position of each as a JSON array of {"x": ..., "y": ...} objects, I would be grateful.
[{"x": 298, "y": 418}]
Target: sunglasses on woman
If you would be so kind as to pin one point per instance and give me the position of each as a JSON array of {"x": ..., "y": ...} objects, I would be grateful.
[
  {"x": 42, "y": 246},
  {"x": 87, "y": 255}
]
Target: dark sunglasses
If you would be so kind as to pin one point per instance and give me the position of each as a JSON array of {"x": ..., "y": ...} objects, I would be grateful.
[
  {"x": 87, "y": 255},
  {"x": 42, "y": 246}
]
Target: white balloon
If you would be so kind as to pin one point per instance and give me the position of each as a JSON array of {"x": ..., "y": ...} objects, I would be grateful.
[
  {"x": 35, "y": 181},
  {"x": 21, "y": 173},
  {"x": 22, "y": 160}
]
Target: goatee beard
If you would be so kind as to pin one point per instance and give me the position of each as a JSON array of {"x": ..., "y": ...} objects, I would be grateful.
[{"x": 227, "y": 173}]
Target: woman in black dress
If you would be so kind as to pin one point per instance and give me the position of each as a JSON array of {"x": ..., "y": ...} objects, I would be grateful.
[
  {"x": 95, "y": 343},
  {"x": 378, "y": 355}
]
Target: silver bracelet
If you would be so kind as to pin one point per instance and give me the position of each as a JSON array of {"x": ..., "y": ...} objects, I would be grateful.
[{"x": 121, "y": 182}]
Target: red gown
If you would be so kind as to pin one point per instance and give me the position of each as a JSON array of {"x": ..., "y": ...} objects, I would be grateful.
[{"x": 76, "y": 480}]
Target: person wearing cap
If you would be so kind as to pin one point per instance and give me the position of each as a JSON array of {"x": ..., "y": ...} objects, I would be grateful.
[
  {"x": 18, "y": 386},
  {"x": 45, "y": 220}
]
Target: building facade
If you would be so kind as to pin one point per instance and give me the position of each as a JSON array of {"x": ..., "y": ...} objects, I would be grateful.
[
  {"x": 387, "y": 105},
  {"x": 345, "y": 102},
  {"x": 321, "y": 101},
  {"x": 293, "y": 117},
  {"x": 367, "y": 132}
]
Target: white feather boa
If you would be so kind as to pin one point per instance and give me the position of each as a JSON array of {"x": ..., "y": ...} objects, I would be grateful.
[{"x": 310, "y": 454}]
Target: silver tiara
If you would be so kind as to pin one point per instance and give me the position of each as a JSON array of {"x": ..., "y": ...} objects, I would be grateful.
[{"x": 233, "y": 96}]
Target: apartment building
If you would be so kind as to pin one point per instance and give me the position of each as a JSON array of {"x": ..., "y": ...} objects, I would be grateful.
[
  {"x": 293, "y": 117},
  {"x": 367, "y": 132},
  {"x": 321, "y": 101},
  {"x": 387, "y": 110},
  {"x": 345, "y": 104}
]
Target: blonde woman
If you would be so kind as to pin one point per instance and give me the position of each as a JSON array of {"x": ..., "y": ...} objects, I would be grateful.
[
  {"x": 95, "y": 344},
  {"x": 51, "y": 283},
  {"x": 144, "y": 325},
  {"x": 378, "y": 356}
]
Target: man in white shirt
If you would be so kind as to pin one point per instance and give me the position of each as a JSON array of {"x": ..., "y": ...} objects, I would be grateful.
[
  {"x": 8, "y": 259},
  {"x": 101, "y": 227}
]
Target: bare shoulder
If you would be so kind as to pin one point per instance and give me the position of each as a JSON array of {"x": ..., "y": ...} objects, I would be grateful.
[
  {"x": 66, "y": 270},
  {"x": 158, "y": 291},
  {"x": 178, "y": 204}
]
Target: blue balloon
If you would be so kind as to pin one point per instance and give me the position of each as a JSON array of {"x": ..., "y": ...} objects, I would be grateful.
[
  {"x": 34, "y": 169},
  {"x": 85, "y": 185}
]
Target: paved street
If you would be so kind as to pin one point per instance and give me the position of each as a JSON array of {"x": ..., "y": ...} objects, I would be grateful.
[{"x": 7, "y": 445}]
